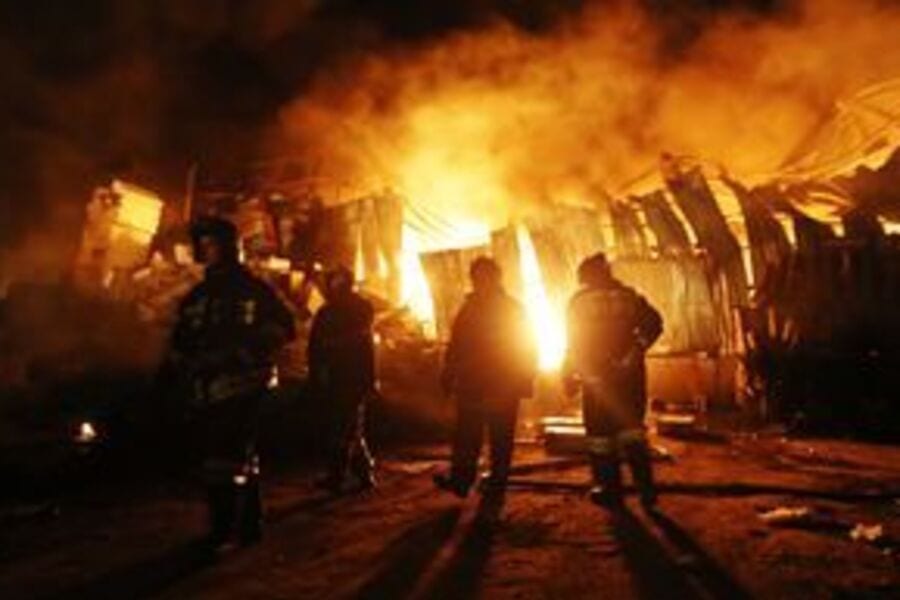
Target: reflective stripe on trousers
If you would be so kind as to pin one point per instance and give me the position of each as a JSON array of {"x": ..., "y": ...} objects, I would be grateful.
[
  {"x": 601, "y": 445},
  {"x": 239, "y": 472}
]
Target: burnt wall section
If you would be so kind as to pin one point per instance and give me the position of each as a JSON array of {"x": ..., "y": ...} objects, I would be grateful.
[
  {"x": 822, "y": 333},
  {"x": 697, "y": 202},
  {"x": 671, "y": 237}
]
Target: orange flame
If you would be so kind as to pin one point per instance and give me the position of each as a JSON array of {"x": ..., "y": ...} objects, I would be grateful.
[
  {"x": 359, "y": 263},
  {"x": 477, "y": 121},
  {"x": 415, "y": 293},
  {"x": 547, "y": 320},
  {"x": 383, "y": 268}
]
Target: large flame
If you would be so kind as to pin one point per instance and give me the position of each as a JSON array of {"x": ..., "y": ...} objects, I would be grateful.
[
  {"x": 546, "y": 320},
  {"x": 415, "y": 293}
]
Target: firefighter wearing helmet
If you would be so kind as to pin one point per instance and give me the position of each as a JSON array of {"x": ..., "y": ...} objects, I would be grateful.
[
  {"x": 228, "y": 329},
  {"x": 341, "y": 356},
  {"x": 610, "y": 327}
]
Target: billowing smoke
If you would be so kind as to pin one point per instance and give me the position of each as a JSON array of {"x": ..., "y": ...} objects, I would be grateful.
[
  {"x": 478, "y": 123},
  {"x": 505, "y": 100}
]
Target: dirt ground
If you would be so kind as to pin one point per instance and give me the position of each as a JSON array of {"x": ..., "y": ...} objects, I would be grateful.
[{"x": 544, "y": 539}]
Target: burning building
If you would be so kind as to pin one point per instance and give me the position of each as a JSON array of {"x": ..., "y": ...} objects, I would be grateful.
[
  {"x": 738, "y": 161},
  {"x": 773, "y": 268},
  {"x": 765, "y": 234},
  {"x": 539, "y": 149}
]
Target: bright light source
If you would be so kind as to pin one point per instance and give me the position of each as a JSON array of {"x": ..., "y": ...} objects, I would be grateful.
[
  {"x": 359, "y": 262},
  {"x": 415, "y": 291},
  {"x": 278, "y": 264},
  {"x": 87, "y": 433},
  {"x": 274, "y": 379},
  {"x": 547, "y": 320}
]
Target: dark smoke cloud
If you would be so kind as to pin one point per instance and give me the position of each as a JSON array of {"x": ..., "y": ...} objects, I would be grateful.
[
  {"x": 682, "y": 22},
  {"x": 142, "y": 89}
]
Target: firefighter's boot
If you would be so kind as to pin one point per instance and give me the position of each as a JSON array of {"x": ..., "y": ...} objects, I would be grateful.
[
  {"x": 608, "y": 479},
  {"x": 449, "y": 483},
  {"x": 637, "y": 453},
  {"x": 221, "y": 506},
  {"x": 250, "y": 525}
]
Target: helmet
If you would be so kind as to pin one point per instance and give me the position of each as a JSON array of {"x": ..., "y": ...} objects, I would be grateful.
[
  {"x": 593, "y": 269},
  {"x": 338, "y": 280},
  {"x": 485, "y": 267},
  {"x": 222, "y": 232}
]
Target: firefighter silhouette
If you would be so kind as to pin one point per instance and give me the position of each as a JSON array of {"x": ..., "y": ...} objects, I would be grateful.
[
  {"x": 489, "y": 366},
  {"x": 342, "y": 373},
  {"x": 228, "y": 329},
  {"x": 610, "y": 327}
]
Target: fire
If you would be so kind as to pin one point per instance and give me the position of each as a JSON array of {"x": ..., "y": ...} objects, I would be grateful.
[
  {"x": 547, "y": 320},
  {"x": 139, "y": 210},
  {"x": 359, "y": 263},
  {"x": 383, "y": 268},
  {"x": 415, "y": 293},
  {"x": 890, "y": 227},
  {"x": 476, "y": 120}
]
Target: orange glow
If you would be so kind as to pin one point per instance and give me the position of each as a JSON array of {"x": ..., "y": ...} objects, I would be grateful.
[
  {"x": 359, "y": 264},
  {"x": 383, "y": 268},
  {"x": 415, "y": 293},
  {"x": 890, "y": 227},
  {"x": 547, "y": 320},
  {"x": 138, "y": 210},
  {"x": 472, "y": 123}
]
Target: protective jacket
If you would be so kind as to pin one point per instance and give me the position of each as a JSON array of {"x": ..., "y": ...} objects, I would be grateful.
[
  {"x": 491, "y": 350},
  {"x": 489, "y": 366},
  {"x": 228, "y": 330},
  {"x": 341, "y": 350},
  {"x": 609, "y": 330}
]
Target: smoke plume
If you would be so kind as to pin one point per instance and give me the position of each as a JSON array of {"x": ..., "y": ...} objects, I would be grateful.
[
  {"x": 480, "y": 123},
  {"x": 490, "y": 103}
]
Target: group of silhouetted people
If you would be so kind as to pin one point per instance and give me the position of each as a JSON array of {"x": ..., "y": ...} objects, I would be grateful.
[
  {"x": 491, "y": 363},
  {"x": 231, "y": 325}
]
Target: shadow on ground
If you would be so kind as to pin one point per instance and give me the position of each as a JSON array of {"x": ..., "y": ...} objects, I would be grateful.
[
  {"x": 463, "y": 573},
  {"x": 409, "y": 556},
  {"x": 689, "y": 572},
  {"x": 146, "y": 578}
]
